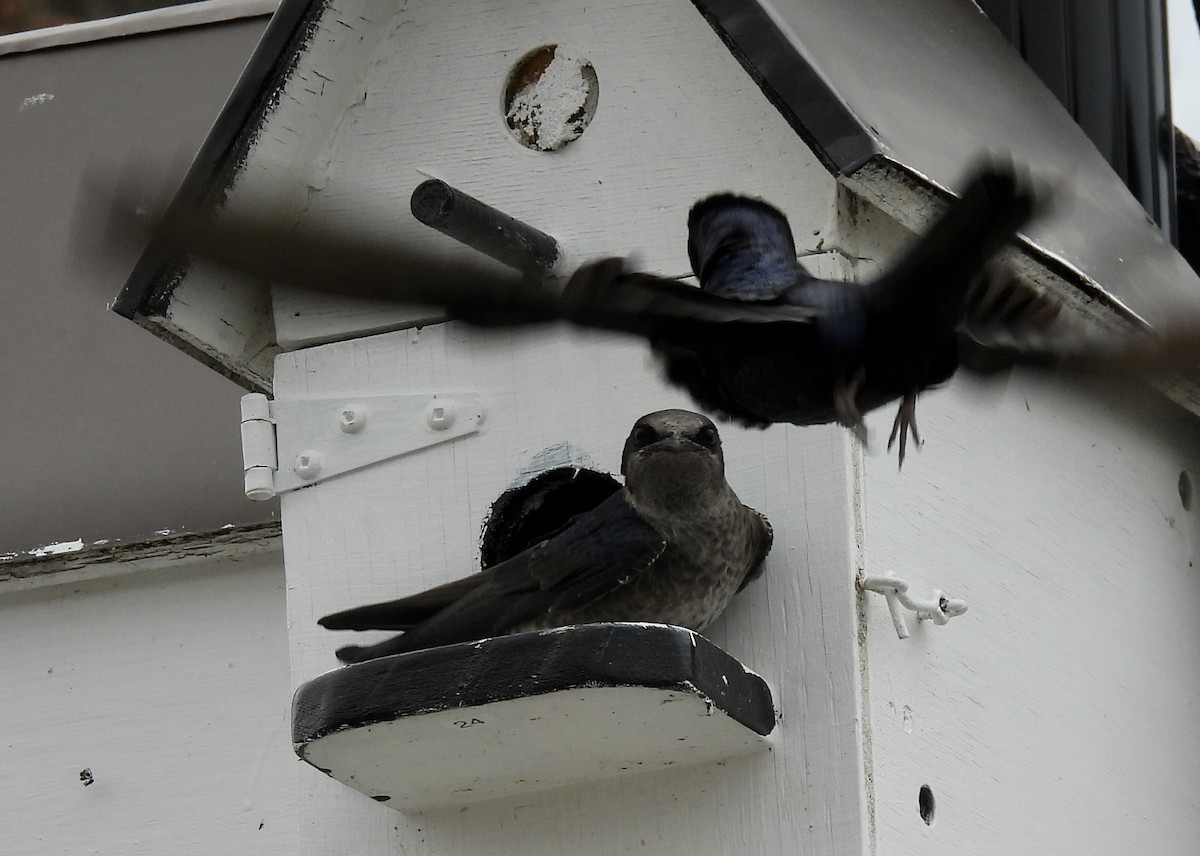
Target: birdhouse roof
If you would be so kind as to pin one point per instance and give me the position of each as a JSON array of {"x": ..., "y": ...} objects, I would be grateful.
[{"x": 897, "y": 103}]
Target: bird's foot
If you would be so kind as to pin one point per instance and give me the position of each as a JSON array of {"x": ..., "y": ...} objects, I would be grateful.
[
  {"x": 845, "y": 406},
  {"x": 906, "y": 422}
]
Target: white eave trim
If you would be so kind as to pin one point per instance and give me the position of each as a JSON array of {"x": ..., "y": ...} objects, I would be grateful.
[
  {"x": 21, "y": 572},
  {"x": 138, "y": 23}
]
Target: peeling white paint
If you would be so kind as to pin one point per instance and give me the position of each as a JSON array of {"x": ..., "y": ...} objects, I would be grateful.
[
  {"x": 550, "y": 109},
  {"x": 558, "y": 455},
  {"x": 60, "y": 547},
  {"x": 35, "y": 101}
]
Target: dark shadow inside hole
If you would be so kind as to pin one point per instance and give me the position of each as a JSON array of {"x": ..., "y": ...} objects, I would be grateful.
[
  {"x": 522, "y": 516},
  {"x": 925, "y": 804}
]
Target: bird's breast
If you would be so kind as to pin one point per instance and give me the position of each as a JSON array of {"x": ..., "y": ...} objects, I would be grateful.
[{"x": 709, "y": 552}]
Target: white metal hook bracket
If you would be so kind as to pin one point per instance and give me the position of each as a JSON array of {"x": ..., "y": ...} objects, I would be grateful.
[{"x": 938, "y": 608}]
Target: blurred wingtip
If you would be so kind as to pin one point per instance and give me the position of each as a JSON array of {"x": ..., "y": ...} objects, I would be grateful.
[
  {"x": 1044, "y": 191},
  {"x": 350, "y": 654}
]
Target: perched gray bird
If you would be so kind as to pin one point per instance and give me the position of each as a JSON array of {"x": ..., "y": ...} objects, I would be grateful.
[{"x": 673, "y": 546}]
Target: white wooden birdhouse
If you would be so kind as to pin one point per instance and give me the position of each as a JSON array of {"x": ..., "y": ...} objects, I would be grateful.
[{"x": 997, "y": 644}]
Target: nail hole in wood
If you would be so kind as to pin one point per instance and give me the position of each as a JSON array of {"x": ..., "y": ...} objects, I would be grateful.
[
  {"x": 549, "y": 98},
  {"x": 925, "y": 804}
]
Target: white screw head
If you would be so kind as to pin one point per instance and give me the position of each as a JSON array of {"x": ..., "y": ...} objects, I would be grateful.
[
  {"x": 307, "y": 465},
  {"x": 439, "y": 414},
  {"x": 352, "y": 419}
]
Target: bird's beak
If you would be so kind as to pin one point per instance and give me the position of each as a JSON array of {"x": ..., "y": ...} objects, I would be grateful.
[{"x": 673, "y": 444}]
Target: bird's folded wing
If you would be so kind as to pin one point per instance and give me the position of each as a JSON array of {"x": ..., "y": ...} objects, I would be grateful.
[
  {"x": 405, "y": 613},
  {"x": 592, "y": 555},
  {"x": 764, "y": 538},
  {"x": 598, "y": 552}
]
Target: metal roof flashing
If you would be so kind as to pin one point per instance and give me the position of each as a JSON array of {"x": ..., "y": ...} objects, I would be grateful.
[
  {"x": 912, "y": 201},
  {"x": 870, "y": 78}
]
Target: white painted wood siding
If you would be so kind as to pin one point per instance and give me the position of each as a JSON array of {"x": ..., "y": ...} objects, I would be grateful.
[
  {"x": 170, "y": 687},
  {"x": 1059, "y": 714}
]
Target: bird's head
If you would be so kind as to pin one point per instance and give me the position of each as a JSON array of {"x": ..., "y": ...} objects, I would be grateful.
[
  {"x": 740, "y": 247},
  {"x": 672, "y": 457}
]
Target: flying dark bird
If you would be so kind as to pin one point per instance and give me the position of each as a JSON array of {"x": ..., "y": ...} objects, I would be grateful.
[
  {"x": 672, "y": 546},
  {"x": 760, "y": 341},
  {"x": 866, "y": 345}
]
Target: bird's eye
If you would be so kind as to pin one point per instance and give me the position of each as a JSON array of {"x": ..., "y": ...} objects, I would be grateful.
[
  {"x": 707, "y": 436},
  {"x": 644, "y": 435}
]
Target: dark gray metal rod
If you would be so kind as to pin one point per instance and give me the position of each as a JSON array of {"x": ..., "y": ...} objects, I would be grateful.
[{"x": 483, "y": 228}]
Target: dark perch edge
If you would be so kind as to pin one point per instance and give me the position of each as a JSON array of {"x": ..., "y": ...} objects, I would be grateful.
[{"x": 526, "y": 664}]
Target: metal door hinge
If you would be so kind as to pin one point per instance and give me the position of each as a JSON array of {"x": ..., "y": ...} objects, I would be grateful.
[{"x": 292, "y": 444}]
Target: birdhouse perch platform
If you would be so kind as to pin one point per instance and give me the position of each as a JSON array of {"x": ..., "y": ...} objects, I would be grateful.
[{"x": 532, "y": 711}]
